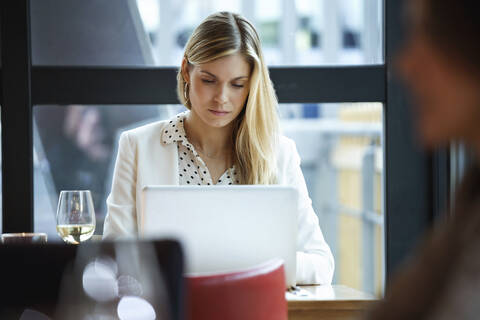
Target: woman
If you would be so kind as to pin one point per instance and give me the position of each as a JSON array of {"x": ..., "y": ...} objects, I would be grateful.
[
  {"x": 440, "y": 64},
  {"x": 228, "y": 136}
]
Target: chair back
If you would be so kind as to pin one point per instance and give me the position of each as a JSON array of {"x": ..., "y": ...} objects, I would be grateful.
[{"x": 256, "y": 293}]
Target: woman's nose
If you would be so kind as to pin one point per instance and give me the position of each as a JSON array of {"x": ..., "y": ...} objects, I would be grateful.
[{"x": 221, "y": 96}]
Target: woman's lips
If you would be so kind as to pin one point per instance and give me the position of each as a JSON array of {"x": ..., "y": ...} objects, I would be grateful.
[{"x": 218, "y": 113}]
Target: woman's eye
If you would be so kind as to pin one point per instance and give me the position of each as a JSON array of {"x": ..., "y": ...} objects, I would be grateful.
[
  {"x": 207, "y": 81},
  {"x": 237, "y": 85}
]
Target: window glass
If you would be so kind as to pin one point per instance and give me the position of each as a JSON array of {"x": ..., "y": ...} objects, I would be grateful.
[
  {"x": 154, "y": 32},
  {"x": 341, "y": 152},
  {"x": 74, "y": 149},
  {"x": 341, "y": 149},
  {"x": 293, "y": 32}
]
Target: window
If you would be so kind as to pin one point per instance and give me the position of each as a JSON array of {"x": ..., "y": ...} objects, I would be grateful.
[
  {"x": 76, "y": 148},
  {"x": 340, "y": 146},
  {"x": 293, "y": 32},
  {"x": 341, "y": 149},
  {"x": 95, "y": 73},
  {"x": 154, "y": 32}
]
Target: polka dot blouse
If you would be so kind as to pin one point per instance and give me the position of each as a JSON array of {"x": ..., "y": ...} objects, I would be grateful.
[{"x": 192, "y": 169}]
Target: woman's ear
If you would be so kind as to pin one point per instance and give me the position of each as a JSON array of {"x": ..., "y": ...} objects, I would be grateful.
[{"x": 185, "y": 70}]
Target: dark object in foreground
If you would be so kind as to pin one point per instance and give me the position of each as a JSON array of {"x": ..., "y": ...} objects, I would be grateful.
[{"x": 31, "y": 275}]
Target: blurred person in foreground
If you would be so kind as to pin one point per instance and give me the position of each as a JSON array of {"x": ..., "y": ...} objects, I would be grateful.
[{"x": 440, "y": 64}]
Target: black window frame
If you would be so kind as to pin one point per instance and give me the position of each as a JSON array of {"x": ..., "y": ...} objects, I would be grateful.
[{"x": 415, "y": 183}]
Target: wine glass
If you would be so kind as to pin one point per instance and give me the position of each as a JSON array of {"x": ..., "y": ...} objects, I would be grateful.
[{"x": 75, "y": 216}]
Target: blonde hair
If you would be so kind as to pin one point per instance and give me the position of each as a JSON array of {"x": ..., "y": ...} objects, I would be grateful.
[{"x": 256, "y": 129}]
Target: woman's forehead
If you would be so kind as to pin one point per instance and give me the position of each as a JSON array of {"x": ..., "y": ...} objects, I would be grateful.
[{"x": 228, "y": 67}]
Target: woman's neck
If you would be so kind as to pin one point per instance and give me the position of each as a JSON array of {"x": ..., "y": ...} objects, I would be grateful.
[{"x": 210, "y": 141}]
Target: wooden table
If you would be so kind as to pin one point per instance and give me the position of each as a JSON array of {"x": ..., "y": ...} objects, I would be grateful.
[{"x": 327, "y": 303}]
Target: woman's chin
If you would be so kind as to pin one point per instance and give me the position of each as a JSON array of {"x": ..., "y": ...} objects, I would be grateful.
[{"x": 218, "y": 123}]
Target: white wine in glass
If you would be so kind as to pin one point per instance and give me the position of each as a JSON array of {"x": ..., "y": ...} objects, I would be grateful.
[{"x": 75, "y": 216}]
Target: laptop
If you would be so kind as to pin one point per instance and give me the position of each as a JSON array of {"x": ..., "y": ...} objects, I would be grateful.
[{"x": 224, "y": 228}]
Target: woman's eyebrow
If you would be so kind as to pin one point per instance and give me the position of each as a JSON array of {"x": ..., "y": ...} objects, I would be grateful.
[
  {"x": 210, "y": 74},
  {"x": 214, "y": 76}
]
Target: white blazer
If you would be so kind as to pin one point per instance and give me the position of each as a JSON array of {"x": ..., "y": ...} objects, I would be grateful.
[{"x": 144, "y": 160}]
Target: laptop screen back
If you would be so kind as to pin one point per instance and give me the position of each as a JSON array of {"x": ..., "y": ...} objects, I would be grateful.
[{"x": 224, "y": 228}]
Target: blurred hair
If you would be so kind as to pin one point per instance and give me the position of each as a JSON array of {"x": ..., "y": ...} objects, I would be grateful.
[
  {"x": 256, "y": 129},
  {"x": 454, "y": 27}
]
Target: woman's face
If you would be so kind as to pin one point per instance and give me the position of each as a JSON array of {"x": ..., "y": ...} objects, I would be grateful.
[
  {"x": 218, "y": 89},
  {"x": 447, "y": 97}
]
